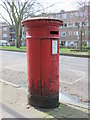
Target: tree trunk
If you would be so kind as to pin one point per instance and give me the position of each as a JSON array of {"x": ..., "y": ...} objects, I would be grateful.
[
  {"x": 17, "y": 44},
  {"x": 18, "y": 39},
  {"x": 81, "y": 36},
  {"x": 81, "y": 41},
  {"x": 84, "y": 39}
]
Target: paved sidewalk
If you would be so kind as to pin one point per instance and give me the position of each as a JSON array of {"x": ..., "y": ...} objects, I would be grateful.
[{"x": 14, "y": 105}]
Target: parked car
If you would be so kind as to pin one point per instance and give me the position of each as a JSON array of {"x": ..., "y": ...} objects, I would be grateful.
[
  {"x": 72, "y": 44},
  {"x": 4, "y": 43},
  {"x": 12, "y": 43}
]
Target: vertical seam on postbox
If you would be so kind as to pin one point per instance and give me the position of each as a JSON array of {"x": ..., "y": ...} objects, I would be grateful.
[{"x": 40, "y": 68}]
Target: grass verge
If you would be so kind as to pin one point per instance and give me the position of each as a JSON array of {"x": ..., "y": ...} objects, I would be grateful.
[
  {"x": 13, "y": 48},
  {"x": 61, "y": 50},
  {"x": 68, "y": 51}
]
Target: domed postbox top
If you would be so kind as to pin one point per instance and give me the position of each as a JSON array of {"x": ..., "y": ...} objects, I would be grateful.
[{"x": 41, "y": 22}]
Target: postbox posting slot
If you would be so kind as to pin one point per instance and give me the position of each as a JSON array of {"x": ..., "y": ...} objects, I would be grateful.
[{"x": 54, "y": 32}]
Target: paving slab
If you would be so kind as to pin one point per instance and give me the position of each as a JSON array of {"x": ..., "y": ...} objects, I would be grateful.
[{"x": 14, "y": 105}]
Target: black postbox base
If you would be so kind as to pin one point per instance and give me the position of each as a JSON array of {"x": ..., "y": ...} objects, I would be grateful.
[{"x": 43, "y": 101}]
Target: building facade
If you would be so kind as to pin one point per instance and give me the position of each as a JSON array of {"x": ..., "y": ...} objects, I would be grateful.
[
  {"x": 69, "y": 34},
  {"x": 73, "y": 23},
  {"x": 89, "y": 23},
  {"x": 12, "y": 34},
  {"x": 6, "y": 32},
  {"x": 76, "y": 26}
]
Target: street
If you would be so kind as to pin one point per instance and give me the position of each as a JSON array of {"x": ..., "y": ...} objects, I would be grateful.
[{"x": 73, "y": 73}]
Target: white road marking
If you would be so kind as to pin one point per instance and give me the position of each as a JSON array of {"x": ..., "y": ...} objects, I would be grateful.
[
  {"x": 9, "y": 83},
  {"x": 15, "y": 65},
  {"x": 79, "y": 64},
  {"x": 79, "y": 73},
  {"x": 73, "y": 64},
  {"x": 65, "y": 82},
  {"x": 12, "y": 69}
]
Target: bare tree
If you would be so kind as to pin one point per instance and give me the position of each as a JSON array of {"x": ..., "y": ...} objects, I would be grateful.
[
  {"x": 83, "y": 18},
  {"x": 18, "y": 10}
]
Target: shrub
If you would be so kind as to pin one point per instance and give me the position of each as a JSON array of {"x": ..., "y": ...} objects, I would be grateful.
[{"x": 87, "y": 47}]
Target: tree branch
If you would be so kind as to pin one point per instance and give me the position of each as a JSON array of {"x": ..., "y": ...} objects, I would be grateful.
[
  {"x": 7, "y": 9},
  {"x": 5, "y": 19},
  {"x": 29, "y": 14}
]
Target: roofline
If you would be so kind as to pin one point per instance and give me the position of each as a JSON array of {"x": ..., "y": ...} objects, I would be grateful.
[{"x": 64, "y": 12}]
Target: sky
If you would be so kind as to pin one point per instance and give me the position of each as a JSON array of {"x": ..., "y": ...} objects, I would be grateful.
[
  {"x": 66, "y": 5},
  {"x": 58, "y": 5},
  {"x": 61, "y": 5}
]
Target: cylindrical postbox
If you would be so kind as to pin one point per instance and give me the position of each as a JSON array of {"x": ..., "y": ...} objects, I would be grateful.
[{"x": 42, "y": 38}]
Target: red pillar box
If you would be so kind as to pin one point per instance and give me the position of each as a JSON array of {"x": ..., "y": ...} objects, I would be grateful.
[{"x": 42, "y": 38}]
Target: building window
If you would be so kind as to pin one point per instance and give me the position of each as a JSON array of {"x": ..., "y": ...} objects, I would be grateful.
[
  {"x": 71, "y": 15},
  {"x": 51, "y": 16},
  {"x": 88, "y": 32},
  {"x": 89, "y": 14},
  {"x": 64, "y": 16},
  {"x": 12, "y": 30},
  {"x": 5, "y": 28},
  {"x": 70, "y": 34},
  {"x": 81, "y": 14},
  {"x": 63, "y": 34},
  {"x": 76, "y": 24},
  {"x": 85, "y": 23},
  {"x": 76, "y": 14},
  {"x": 76, "y": 33},
  {"x": 59, "y": 32},
  {"x": 57, "y": 16},
  {"x": 64, "y": 24},
  {"x": 70, "y": 25},
  {"x": 5, "y": 35},
  {"x": 83, "y": 33}
]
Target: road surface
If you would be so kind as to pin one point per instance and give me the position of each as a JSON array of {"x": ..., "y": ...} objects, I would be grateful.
[{"x": 73, "y": 73}]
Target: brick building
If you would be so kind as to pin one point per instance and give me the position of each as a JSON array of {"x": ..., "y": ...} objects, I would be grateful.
[
  {"x": 89, "y": 22},
  {"x": 70, "y": 32},
  {"x": 6, "y": 32},
  {"x": 73, "y": 22}
]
